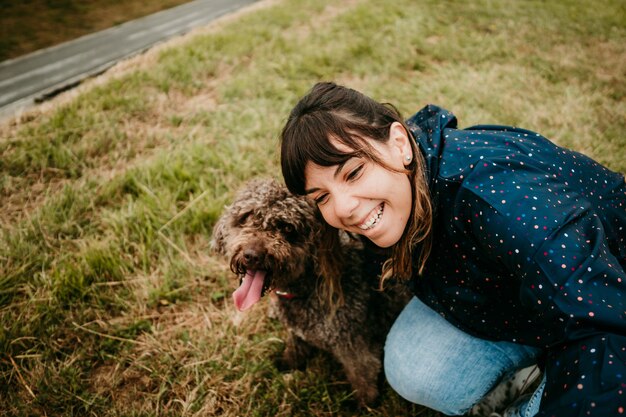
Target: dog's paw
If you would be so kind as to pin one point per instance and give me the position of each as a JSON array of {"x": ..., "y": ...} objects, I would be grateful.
[
  {"x": 367, "y": 397},
  {"x": 286, "y": 364},
  {"x": 293, "y": 358}
]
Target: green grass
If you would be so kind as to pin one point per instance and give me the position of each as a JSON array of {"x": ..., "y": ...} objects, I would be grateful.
[{"x": 110, "y": 301}]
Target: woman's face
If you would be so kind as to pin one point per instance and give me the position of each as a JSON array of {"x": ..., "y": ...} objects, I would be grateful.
[{"x": 364, "y": 197}]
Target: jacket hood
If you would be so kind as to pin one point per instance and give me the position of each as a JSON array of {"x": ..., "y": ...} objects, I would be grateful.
[{"x": 427, "y": 127}]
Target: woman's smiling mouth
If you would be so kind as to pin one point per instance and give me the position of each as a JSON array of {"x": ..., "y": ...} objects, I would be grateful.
[{"x": 373, "y": 218}]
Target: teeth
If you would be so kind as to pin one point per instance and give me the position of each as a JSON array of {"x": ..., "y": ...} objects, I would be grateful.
[{"x": 372, "y": 221}]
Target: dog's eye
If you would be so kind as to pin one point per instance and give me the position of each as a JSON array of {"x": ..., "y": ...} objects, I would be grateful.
[
  {"x": 288, "y": 230},
  {"x": 241, "y": 219}
]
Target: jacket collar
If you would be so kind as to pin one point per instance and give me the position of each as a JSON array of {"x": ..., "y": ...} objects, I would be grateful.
[{"x": 427, "y": 127}]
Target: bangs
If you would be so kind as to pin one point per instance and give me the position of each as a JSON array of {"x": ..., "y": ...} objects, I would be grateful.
[
  {"x": 311, "y": 140},
  {"x": 328, "y": 117}
]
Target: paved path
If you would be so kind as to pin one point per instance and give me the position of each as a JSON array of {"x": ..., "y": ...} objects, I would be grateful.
[{"x": 34, "y": 77}]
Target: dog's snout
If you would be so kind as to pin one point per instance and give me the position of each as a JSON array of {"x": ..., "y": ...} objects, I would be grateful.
[{"x": 251, "y": 255}]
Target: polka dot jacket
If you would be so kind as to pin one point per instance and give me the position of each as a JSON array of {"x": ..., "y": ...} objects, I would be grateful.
[{"x": 530, "y": 247}]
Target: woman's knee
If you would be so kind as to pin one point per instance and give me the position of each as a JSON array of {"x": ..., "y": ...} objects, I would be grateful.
[
  {"x": 430, "y": 362},
  {"x": 421, "y": 359},
  {"x": 425, "y": 382}
]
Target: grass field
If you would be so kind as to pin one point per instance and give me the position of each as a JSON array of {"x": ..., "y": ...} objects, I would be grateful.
[{"x": 111, "y": 303}]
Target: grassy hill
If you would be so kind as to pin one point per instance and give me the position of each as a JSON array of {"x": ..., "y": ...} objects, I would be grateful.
[{"x": 111, "y": 303}]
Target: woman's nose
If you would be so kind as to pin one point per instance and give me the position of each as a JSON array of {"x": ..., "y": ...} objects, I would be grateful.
[{"x": 345, "y": 205}]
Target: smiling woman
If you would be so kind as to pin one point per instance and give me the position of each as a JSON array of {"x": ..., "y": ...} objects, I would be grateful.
[
  {"x": 519, "y": 230},
  {"x": 340, "y": 135},
  {"x": 359, "y": 195}
]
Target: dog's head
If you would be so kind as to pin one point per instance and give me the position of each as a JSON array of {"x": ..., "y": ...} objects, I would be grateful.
[{"x": 269, "y": 235}]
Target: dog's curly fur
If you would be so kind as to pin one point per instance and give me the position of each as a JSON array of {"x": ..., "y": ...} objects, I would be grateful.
[{"x": 267, "y": 228}]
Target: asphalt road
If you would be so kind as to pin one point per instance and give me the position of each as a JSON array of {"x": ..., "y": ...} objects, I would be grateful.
[{"x": 34, "y": 77}]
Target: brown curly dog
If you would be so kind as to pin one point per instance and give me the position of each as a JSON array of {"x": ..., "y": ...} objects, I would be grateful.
[{"x": 271, "y": 239}]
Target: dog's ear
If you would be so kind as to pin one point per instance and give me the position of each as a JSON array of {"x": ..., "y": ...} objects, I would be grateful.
[{"x": 312, "y": 217}]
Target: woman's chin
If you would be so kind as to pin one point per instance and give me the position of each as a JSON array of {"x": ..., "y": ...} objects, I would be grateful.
[{"x": 382, "y": 238}]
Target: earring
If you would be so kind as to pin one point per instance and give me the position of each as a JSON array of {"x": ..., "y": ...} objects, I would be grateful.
[{"x": 408, "y": 158}]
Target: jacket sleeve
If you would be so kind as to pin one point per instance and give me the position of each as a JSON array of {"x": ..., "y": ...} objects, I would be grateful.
[{"x": 551, "y": 238}]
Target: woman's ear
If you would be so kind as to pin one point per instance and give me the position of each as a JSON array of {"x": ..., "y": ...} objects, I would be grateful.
[{"x": 399, "y": 140}]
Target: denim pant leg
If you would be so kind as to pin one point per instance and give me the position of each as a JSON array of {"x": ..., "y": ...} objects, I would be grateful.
[{"x": 430, "y": 362}]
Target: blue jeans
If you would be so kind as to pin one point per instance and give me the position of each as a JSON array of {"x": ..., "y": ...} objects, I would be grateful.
[{"x": 430, "y": 362}]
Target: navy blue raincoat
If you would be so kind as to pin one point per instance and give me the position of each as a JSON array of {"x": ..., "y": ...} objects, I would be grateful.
[{"x": 530, "y": 247}]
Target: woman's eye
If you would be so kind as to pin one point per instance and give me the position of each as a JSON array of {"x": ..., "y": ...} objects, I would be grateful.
[
  {"x": 321, "y": 199},
  {"x": 354, "y": 174}
]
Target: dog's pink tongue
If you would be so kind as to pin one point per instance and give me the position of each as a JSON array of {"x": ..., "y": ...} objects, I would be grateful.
[{"x": 249, "y": 292}]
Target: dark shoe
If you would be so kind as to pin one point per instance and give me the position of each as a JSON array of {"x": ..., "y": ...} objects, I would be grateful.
[{"x": 507, "y": 393}]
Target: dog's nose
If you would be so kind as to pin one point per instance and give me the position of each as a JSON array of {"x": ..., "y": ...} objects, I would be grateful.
[{"x": 251, "y": 256}]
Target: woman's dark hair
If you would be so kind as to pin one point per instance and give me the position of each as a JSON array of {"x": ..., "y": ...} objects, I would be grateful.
[{"x": 353, "y": 119}]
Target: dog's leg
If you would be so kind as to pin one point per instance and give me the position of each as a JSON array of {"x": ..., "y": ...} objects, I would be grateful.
[
  {"x": 295, "y": 354},
  {"x": 362, "y": 367}
]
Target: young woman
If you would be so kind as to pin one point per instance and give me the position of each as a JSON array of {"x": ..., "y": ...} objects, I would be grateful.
[{"x": 515, "y": 249}]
